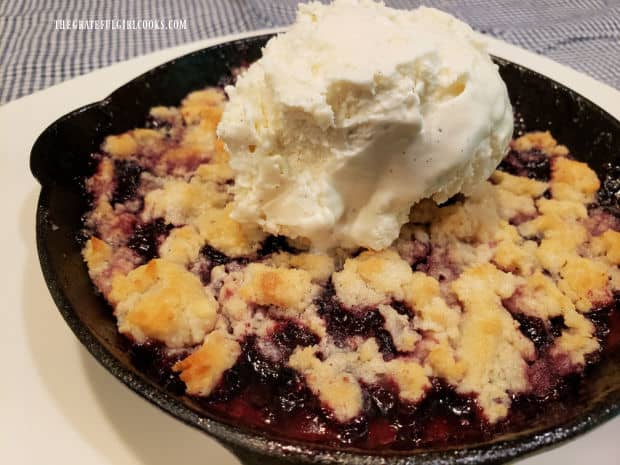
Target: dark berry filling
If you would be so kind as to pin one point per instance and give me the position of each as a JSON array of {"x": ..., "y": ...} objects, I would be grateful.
[
  {"x": 605, "y": 319},
  {"x": 264, "y": 389},
  {"x": 540, "y": 332},
  {"x": 343, "y": 323},
  {"x": 289, "y": 335},
  {"x": 214, "y": 256},
  {"x": 609, "y": 192},
  {"x": 275, "y": 244},
  {"x": 612, "y": 341},
  {"x": 209, "y": 258},
  {"x": 402, "y": 308},
  {"x": 153, "y": 359},
  {"x": 147, "y": 238},
  {"x": 127, "y": 174},
  {"x": 156, "y": 123},
  {"x": 442, "y": 417},
  {"x": 275, "y": 398},
  {"x": 532, "y": 164},
  {"x": 546, "y": 404}
]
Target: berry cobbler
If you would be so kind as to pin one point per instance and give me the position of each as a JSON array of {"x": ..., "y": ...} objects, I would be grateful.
[{"x": 486, "y": 308}]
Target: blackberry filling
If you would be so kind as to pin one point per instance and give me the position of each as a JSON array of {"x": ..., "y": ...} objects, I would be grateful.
[
  {"x": 127, "y": 174},
  {"x": 343, "y": 324},
  {"x": 540, "y": 332},
  {"x": 153, "y": 359},
  {"x": 275, "y": 244},
  {"x": 289, "y": 335},
  {"x": 147, "y": 238},
  {"x": 532, "y": 164},
  {"x": 609, "y": 193}
]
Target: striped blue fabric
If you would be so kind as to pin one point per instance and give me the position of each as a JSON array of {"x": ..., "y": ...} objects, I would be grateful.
[{"x": 584, "y": 34}]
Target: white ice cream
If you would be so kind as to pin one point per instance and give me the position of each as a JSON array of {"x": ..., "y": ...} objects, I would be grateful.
[{"x": 355, "y": 114}]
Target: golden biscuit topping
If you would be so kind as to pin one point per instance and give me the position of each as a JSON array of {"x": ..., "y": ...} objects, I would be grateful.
[
  {"x": 372, "y": 278},
  {"x": 203, "y": 369},
  {"x": 163, "y": 301}
]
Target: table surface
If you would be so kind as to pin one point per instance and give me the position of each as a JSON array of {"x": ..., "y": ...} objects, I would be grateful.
[
  {"x": 58, "y": 405},
  {"x": 34, "y": 54}
]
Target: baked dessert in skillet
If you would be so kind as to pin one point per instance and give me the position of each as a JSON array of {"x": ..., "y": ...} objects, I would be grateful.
[
  {"x": 283, "y": 281},
  {"x": 485, "y": 309}
]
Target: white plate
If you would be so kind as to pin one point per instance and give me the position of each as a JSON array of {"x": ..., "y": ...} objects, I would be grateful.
[{"x": 57, "y": 405}]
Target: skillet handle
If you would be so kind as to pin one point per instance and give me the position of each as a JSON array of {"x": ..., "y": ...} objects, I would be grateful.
[{"x": 61, "y": 154}]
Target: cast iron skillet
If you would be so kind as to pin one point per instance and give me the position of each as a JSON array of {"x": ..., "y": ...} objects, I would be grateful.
[{"x": 60, "y": 159}]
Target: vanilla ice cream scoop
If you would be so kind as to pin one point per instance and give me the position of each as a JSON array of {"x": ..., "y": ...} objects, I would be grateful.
[{"x": 355, "y": 114}]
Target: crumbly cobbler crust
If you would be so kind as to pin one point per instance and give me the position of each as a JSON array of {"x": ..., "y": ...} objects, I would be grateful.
[{"x": 448, "y": 294}]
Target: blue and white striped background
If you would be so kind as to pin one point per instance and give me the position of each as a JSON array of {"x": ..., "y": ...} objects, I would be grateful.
[{"x": 584, "y": 34}]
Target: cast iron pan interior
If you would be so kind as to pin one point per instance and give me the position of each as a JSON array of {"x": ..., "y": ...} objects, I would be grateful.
[{"x": 60, "y": 158}]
